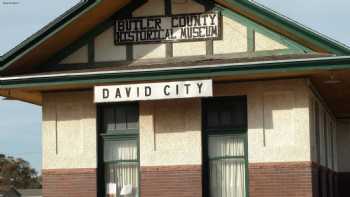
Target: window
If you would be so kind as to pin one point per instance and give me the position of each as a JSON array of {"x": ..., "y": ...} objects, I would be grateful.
[
  {"x": 120, "y": 150},
  {"x": 225, "y": 147}
]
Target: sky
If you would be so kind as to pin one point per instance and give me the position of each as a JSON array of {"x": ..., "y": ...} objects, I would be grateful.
[{"x": 20, "y": 123}]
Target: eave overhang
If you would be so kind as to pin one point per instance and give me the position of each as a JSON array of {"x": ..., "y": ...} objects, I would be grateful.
[
  {"x": 173, "y": 73},
  {"x": 69, "y": 27}
]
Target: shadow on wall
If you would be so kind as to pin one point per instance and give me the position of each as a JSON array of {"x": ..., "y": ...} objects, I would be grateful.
[{"x": 278, "y": 114}]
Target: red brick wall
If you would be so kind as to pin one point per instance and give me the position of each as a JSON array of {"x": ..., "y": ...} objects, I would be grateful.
[
  {"x": 69, "y": 183},
  {"x": 265, "y": 180},
  {"x": 281, "y": 179},
  {"x": 175, "y": 181}
]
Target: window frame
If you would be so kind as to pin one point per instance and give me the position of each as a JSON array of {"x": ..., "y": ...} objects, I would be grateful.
[
  {"x": 121, "y": 135},
  {"x": 241, "y": 131}
]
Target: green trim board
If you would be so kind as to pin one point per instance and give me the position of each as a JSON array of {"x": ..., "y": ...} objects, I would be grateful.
[
  {"x": 253, "y": 8},
  {"x": 293, "y": 65}
]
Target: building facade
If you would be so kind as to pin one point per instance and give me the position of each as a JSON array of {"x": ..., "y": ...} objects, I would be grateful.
[{"x": 185, "y": 98}]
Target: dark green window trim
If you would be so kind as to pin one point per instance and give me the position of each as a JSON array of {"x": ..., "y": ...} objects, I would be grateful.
[
  {"x": 241, "y": 132},
  {"x": 116, "y": 135}
]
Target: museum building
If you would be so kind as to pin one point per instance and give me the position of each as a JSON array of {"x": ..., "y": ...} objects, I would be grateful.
[{"x": 185, "y": 98}]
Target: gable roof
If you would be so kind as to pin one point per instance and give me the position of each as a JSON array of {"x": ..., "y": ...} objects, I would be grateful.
[
  {"x": 85, "y": 15},
  {"x": 71, "y": 25}
]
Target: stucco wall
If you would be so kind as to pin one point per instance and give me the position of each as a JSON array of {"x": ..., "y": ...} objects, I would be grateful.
[
  {"x": 278, "y": 119},
  {"x": 264, "y": 43},
  {"x": 170, "y": 132},
  {"x": 234, "y": 38},
  {"x": 77, "y": 57},
  {"x": 106, "y": 50},
  {"x": 69, "y": 130},
  {"x": 343, "y": 148},
  {"x": 278, "y": 124}
]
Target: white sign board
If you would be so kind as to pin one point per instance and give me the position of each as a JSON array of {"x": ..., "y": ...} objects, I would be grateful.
[
  {"x": 175, "y": 28},
  {"x": 153, "y": 91}
]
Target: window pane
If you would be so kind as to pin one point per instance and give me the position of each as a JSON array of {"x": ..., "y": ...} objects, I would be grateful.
[
  {"x": 213, "y": 119},
  {"x": 226, "y": 118},
  {"x": 120, "y": 150},
  {"x": 227, "y": 178},
  {"x": 121, "y": 118},
  {"x": 108, "y": 117},
  {"x": 237, "y": 110},
  {"x": 225, "y": 114},
  {"x": 225, "y": 146},
  {"x": 122, "y": 179},
  {"x": 132, "y": 118},
  {"x": 227, "y": 174}
]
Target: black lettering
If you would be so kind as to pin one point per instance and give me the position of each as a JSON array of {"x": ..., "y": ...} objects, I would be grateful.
[
  {"x": 187, "y": 88},
  {"x": 143, "y": 25},
  {"x": 177, "y": 89},
  {"x": 182, "y": 21},
  {"x": 121, "y": 25},
  {"x": 183, "y": 33},
  {"x": 138, "y": 92},
  {"x": 128, "y": 91},
  {"x": 148, "y": 91},
  {"x": 200, "y": 86},
  {"x": 149, "y": 23},
  {"x": 190, "y": 21},
  {"x": 128, "y": 25},
  {"x": 105, "y": 93},
  {"x": 173, "y": 19},
  {"x": 202, "y": 31},
  {"x": 158, "y": 22},
  {"x": 205, "y": 20},
  {"x": 166, "y": 92},
  {"x": 172, "y": 34},
  {"x": 214, "y": 31},
  {"x": 197, "y": 21},
  {"x": 212, "y": 17},
  {"x": 117, "y": 93},
  {"x": 167, "y": 34}
]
